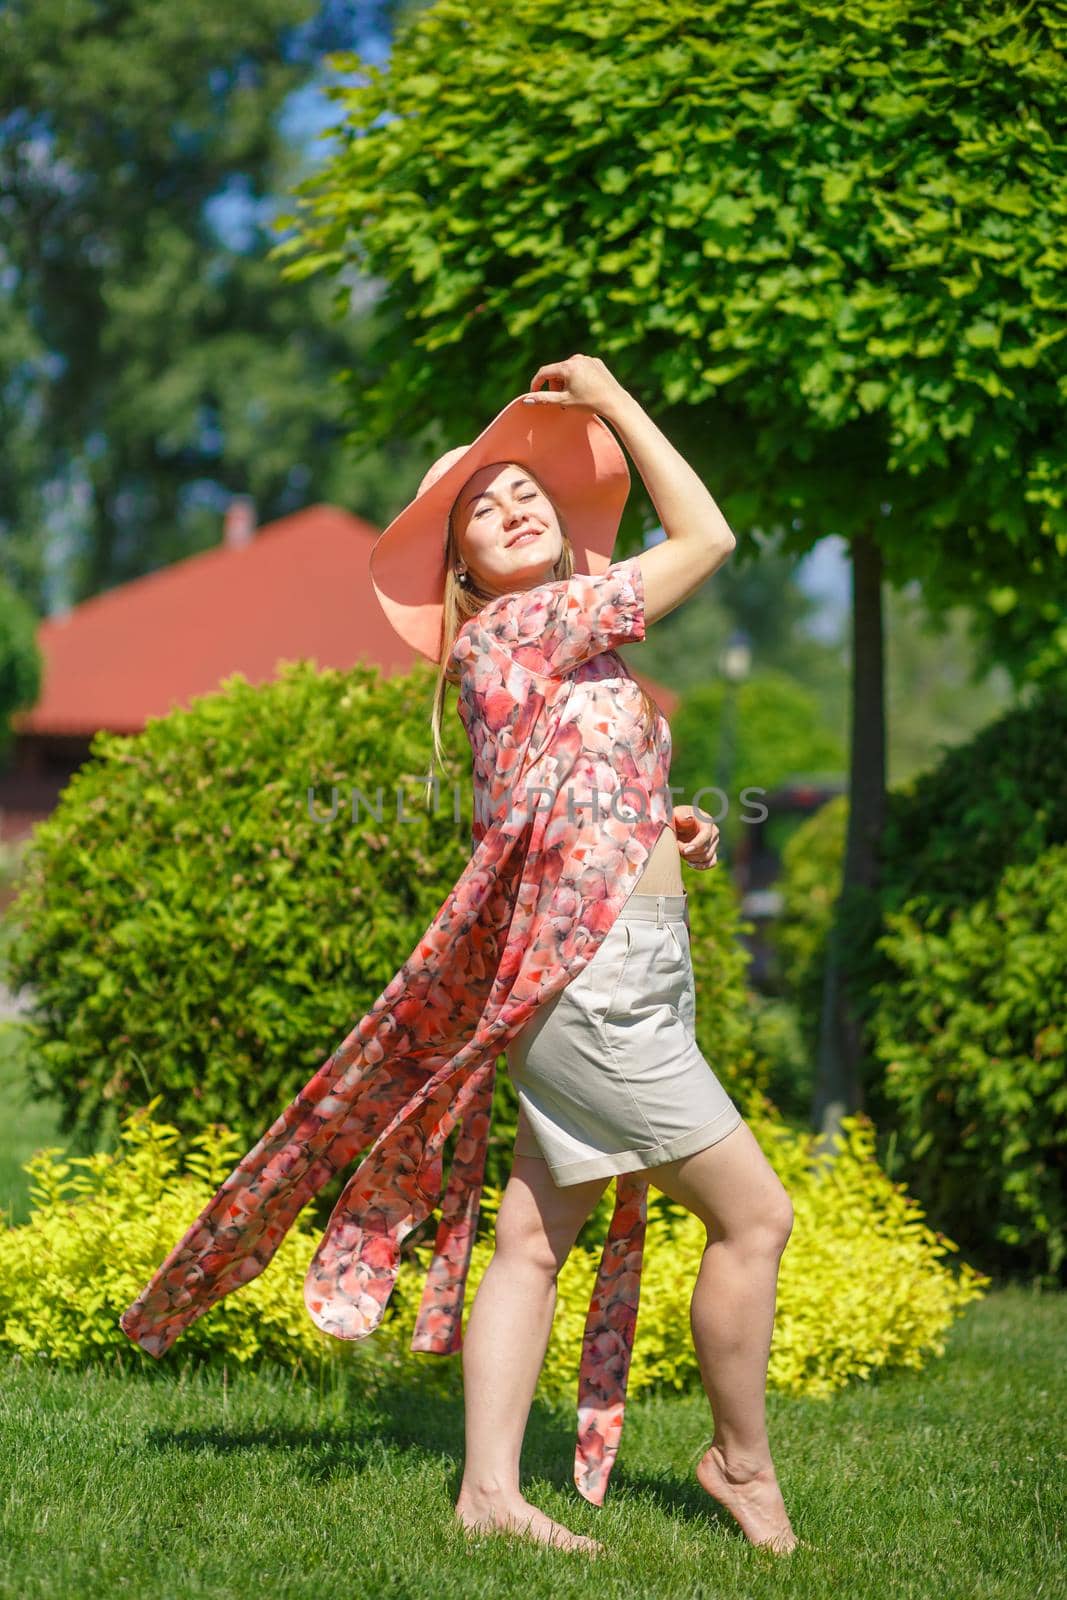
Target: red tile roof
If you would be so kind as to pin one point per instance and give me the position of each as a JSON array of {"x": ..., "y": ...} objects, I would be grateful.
[{"x": 300, "y": 589}]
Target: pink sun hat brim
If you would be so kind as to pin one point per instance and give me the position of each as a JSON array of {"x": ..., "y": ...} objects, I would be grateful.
[{"x": 573, "y": 453}]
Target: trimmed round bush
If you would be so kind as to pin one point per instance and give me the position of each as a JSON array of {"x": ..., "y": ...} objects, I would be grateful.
[{"x": 192, "y": 925}]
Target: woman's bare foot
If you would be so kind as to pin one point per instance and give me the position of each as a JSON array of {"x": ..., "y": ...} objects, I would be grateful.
[
  {"x": 752, "y": 1497},
  {"x": 515, "y": 1514}
]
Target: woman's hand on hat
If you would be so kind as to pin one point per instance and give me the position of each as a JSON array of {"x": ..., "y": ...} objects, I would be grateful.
[
  {"x": 578, "y": 381},
  {"x": 698, "y": 838}
]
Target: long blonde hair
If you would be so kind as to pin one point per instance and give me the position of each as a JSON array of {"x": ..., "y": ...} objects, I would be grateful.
[{"x": 463, "y": 601}]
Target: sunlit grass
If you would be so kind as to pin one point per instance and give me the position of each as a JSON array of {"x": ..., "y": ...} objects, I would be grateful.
[{"x": 170, "y": 1482}]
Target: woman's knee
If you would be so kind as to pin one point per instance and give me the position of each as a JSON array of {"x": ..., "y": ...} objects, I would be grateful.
[
  {"x": 773, "y": 1220},
  {"x": 764, "y": 1225},
  {"x": 768, "y": 1221},
  {"x": 734, "y": 1190},
  {"x": 519, "y": 1240}
]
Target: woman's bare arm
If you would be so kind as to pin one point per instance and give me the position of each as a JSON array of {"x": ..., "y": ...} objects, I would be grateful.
[{"x": 699, "y": 538}]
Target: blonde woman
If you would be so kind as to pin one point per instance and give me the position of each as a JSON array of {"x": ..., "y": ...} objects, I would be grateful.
[{"x": 564, "y": 943}]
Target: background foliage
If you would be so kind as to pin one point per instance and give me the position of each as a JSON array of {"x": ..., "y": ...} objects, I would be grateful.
[
  {"x": 21, "y": 665},
  {"x": 811, "y": 873},
  {"x": 154, "y": 362},
  {"x": 772, "y": 731}
]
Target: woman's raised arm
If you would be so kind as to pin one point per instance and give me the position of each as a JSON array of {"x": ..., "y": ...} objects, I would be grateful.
[{"x": 699, "y": 538}]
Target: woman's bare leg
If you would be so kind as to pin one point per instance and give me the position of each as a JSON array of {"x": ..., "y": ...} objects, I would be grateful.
[
  {"x": 504, "y": 1345},
  {"x": 734, "y": 1190}
]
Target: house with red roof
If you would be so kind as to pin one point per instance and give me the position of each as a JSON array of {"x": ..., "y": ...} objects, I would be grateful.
[{"x": 297, "y": 588}]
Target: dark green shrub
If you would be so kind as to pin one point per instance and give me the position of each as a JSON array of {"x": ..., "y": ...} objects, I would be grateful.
[
  {"x": 952, "y": 834},
  {"x": 972, "y": 1028}
]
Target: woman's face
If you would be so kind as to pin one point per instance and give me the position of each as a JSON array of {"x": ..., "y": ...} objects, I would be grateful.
[{"x": 508, "y": 532}]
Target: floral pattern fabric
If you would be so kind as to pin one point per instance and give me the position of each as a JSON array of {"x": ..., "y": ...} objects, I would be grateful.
[{"x": 571, "y": 793}]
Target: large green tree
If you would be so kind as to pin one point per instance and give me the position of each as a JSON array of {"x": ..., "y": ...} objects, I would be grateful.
[
  {"x": 822, "y": 243},
  {"x": 153, "y": 361}
]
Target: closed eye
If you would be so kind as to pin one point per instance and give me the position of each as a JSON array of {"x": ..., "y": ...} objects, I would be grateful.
[{"x": 521, "y": 497}]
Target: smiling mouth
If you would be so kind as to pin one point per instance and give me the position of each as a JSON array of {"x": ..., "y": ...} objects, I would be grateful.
[{"x": 524, "y": 538}]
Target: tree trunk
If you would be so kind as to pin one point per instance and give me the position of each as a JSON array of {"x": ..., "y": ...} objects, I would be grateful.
[{"x": 838, "y": 1077}]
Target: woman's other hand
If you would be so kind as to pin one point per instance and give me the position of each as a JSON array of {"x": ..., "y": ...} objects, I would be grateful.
[
  {"x": 579, "y": 381},
  {"x": 698, "y": 839}
]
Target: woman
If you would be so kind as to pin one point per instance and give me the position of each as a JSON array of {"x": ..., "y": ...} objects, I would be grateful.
[
  {"x": 499, "y": 572},
  {"x": 505, "y": 535}
]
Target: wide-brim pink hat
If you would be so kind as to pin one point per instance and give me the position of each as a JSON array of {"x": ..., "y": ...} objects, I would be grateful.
[{"x": 569, "y": 449}]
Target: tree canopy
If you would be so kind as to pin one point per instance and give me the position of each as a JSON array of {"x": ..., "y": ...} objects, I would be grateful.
[{"x": 831, "y": 236}]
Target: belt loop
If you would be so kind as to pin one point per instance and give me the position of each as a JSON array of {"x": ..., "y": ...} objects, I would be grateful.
[{"x": 659, "y": 911}]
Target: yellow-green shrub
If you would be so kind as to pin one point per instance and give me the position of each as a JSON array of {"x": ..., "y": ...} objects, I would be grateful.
[
  {"x": 101, "y": 1224},
  {"x": 863, "y": 1282}
]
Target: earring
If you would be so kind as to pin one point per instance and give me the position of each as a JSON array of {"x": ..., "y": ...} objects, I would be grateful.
[{"x": 462, "y": 577}]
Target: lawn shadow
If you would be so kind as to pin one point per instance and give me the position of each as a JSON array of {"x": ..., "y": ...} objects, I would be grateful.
[
  {"x": 404, "y": 1416},
  {"x": 429, "y": 1425}
]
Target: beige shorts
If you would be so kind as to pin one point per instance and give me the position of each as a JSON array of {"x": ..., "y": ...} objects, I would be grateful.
[{"x": 608, "y": 1072}]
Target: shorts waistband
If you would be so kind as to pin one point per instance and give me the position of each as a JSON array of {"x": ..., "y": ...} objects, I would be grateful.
[{"x": 658, "y": 908}]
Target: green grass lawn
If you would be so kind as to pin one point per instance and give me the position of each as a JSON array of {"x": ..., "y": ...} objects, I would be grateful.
[
  {"x": 168, "y": 1482},
  {"x": 944, "y": 1483}
]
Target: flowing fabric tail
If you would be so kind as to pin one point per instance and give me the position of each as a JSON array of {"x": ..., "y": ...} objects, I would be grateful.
[
  {"x": 608, "y": 1340},
  {"x": 439, "y": 1324}
]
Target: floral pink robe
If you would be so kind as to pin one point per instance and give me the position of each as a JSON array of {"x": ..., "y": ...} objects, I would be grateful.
[{"x": 571, "y": 793}]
